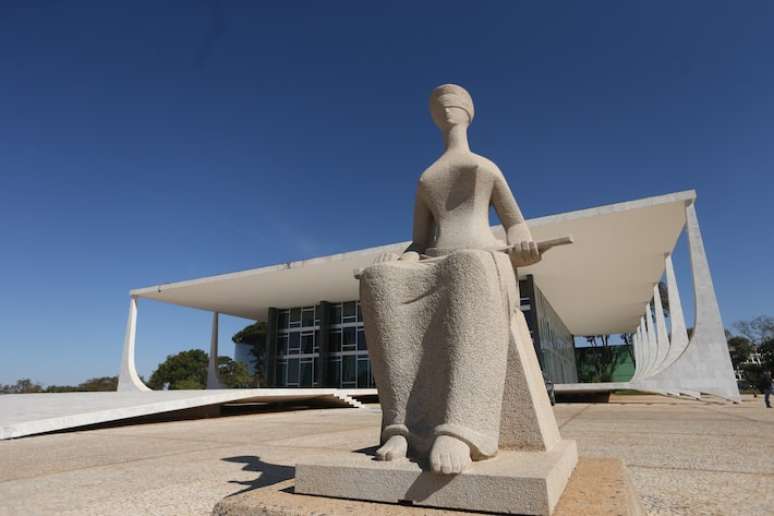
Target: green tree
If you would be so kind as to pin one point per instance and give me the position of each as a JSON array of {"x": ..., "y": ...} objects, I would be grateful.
[
  {"x": 740, "y": 349},
  {"x": 766, "y": 349},
  {"x": 188, "y": 370},
  {"x": 233, "y": 374},
  {"x": 22, "y": 386},
  {"x": 187, "y": 384},
  {"x": 185, "y": 370},
  {"x": 628, "y": 339},
  {"x": 753, "y": 375},
  {"x": 62, "y": 388},
  {"x": 597, "y": 363},
  {"x": 102, "y": 383},
  {"x": 254, "y": 335},
  {"x": 759, "y": 329}
]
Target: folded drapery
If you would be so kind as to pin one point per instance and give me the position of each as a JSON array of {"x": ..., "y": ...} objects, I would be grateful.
[{"x": 438, "y": 332}]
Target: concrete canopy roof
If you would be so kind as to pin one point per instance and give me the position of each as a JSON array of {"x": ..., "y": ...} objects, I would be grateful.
[{"x": 600, "y": 284}]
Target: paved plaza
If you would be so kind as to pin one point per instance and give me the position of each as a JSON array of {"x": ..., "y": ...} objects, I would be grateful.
[{"x": 685, "y": 457}]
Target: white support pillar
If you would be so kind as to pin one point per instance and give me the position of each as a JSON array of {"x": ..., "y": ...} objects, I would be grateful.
[
  {"x": 128, "y": 379},
  {"x": 679, "y": 334},
  {"x": 650, "y": 343},
  {"x": 636, "y": 346},
  {"x": 662, "y": 338},
  {"x": 641, "y": 353},
  {"x": 711, "y": 365},
  {"x": 704, "y": 366},
  {"x": 213, "y": 381}
]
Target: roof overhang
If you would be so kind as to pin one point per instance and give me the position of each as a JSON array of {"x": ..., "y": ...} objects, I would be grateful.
[{"x": 600, "y": 284}]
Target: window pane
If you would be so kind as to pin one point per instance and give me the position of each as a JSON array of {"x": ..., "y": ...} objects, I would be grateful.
[
  {"x": 316, "y": 380},
  {"x": 361, "y": 340},
  {"x": 294, "y": 342},
  {"x": 335, "y": 341},
  {"x": 336, "y": 313},
  {"x": 282, "y": 344},
  {"x": 295, "y": 317},
  {"x": 362, "y": 372},
  {"x": 307, "y": 343},
  {"x": 316, "y": 348},
  {"x": 348, "y": 343},
  {"x": 306, "y": 373},
  {"x": 335, "y": 371},
  {"x": 348, "y": 370},
  {"x": 293, "y": 371},
  {"x": 307, "y": 317},
  {"x": 359, "y": 313},
  {"x": 349, "y": 313},
  {"x": 282, "y": 320},
  {"x": 282, "y": 368}
]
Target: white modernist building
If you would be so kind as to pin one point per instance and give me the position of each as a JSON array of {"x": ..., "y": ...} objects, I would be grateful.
[{"x": 605, "y": 283}]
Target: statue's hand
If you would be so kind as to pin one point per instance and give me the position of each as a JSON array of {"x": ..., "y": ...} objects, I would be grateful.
[
  {"x": 524, "y": 253},
  {"x": 387, "y": 257}
]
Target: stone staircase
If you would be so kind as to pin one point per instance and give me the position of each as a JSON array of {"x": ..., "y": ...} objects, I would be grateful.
[{"x": 348, "y": 400}]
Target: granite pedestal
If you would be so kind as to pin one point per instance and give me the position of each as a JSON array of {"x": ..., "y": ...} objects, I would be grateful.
[
  {"x": 598, "y": 487},
  {"x": 513, "y": 482}
]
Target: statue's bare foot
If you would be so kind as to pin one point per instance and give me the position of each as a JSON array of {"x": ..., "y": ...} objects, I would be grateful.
[
  {"x": 449, "y": 455},
  {"x": 395, "y": 448}
]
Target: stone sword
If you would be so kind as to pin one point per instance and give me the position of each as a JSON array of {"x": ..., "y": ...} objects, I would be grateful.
[
  {"x": 542, "y": 246},
  {"x": 545, "y": 245}
]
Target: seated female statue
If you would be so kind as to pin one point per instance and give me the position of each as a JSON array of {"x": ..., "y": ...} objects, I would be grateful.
[{"x": 438, "y": 317}]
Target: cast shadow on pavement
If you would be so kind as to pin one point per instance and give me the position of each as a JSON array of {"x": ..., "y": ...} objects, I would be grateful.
[{"x": 269, "y": 473}]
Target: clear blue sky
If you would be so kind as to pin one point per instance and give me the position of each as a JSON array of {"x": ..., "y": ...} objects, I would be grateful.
[{"x": 156, "y": 142}]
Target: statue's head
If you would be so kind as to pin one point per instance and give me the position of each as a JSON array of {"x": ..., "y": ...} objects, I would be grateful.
[{"x": 451, "y": 105}]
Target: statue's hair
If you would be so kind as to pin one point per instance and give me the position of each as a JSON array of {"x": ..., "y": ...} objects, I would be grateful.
[{"x": 452, "y": 95}]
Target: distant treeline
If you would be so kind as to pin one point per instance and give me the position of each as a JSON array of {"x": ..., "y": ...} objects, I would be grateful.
[{"x": 27, "y": 386}]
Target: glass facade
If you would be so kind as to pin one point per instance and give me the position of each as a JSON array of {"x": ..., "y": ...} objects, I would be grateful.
[
  {"x": 298, "y": 347},
  {"x": 554, "y": 344},
  {"x": 324, "y": 345}
]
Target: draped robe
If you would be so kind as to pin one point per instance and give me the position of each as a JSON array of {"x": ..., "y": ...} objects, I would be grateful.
[{"x": 438, "y": 333}]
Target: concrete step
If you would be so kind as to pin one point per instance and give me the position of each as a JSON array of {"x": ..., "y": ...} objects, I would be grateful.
[{"x": 348, "y": 400}]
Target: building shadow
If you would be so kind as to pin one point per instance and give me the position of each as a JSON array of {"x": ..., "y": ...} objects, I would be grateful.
[{"x": 269, "y": 474}]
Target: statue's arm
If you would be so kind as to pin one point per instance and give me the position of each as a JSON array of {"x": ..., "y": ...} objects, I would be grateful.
[
  {"x": 422, "y": 234},
  {"x": 523, "y": 250},
  {"x": 508, "y": 211}
]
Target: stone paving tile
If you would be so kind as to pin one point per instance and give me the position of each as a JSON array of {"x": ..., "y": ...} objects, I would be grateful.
[
  {"x": 352, "y": 439},
  {"x": 174, "y": 484},
  {"x": 698, "y": 425},
  {"x": 666, "y": 491},
  {"x": 43, "y": 455},
  {"x": 710, "y": 453}
]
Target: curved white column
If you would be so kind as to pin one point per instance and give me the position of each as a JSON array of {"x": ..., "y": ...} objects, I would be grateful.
[
  {"x": 637, "y": 348},
  {"x": 679, "y": 334},
  {"x": 643, "y": 344},
  {"x": 662, "y": 338},
  {"x": 650, "y": 342},
  {"x": 128, "y": 379},
  {"x": 705, "y": 365},
  {"x": 213, "y": 381}
]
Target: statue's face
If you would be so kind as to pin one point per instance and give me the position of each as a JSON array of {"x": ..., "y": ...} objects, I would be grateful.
[
  {"x": 456, "y": 116},
  {"x": 446, "y": 115}
]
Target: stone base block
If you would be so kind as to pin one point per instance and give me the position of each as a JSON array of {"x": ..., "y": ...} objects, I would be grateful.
[
  {"x": 598, "y": 487},
  {"x": 513, "y": 482}
]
